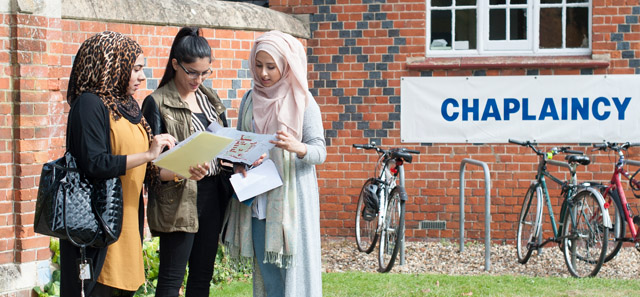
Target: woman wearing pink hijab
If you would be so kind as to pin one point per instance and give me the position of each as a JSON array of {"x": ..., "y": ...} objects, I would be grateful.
[{"x": 280, "y": 229}]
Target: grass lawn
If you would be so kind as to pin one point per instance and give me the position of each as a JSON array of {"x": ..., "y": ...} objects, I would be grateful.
[{"x": 376, "y": 284}]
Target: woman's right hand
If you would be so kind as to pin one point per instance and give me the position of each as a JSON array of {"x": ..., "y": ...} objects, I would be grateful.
[
  {"x": 240, "y": 168},
  {"x": 158, "y": 144},
  {"x": 199, "y": 171}
]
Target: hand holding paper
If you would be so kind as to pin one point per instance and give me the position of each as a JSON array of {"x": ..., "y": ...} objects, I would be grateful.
[
  {"x": 200, "y": 147},
  {"x": 223, "y": 143},
  {"x": 258, "y": 180},
  {"x": 246, "y": 147}
]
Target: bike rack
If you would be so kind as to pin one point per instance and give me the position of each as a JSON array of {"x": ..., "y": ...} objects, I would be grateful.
[
  {"x": 487, "y": 209},
  {"x": 401, "y": 174},
  {"x": 632, "y": 162}
]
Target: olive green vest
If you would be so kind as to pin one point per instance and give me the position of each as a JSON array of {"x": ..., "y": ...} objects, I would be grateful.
[{"x": 173, "y": 206}]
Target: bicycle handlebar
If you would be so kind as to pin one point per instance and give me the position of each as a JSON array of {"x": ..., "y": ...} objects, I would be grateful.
[
  {"x": 568, "y": 151},
  {"x": 614, "y": 146},
  {"x": 365, "y": 146},
  {"x": 555, "y": 150},
  {"x": 600, "y": 146},
  {"x": 402, "y": 153},
  {"x": 373, "y": 146},
  {"x": 519, "y": 142},
  {"x": 574, "y": 152}
]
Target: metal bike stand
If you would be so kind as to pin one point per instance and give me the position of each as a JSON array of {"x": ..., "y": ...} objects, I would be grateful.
[
  {"x": 401, "y": 174},
  {"x": 487, "y": 209},
  {"x": 632, "y": 162}
]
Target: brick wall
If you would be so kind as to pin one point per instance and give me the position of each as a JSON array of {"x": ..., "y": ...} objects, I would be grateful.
[
  {"x": 30, "y": 96},
  {"x": 358, "y": 52},
  {"x": 6, "y": 146}
]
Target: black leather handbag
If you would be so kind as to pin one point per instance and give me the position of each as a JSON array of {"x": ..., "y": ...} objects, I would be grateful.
[{"x": 87, "y": 212}]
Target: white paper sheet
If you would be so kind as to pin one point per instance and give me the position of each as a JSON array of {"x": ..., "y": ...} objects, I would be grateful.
[{"x": 258, "y": 180}]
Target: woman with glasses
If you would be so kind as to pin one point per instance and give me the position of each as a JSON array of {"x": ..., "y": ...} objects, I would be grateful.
[{"x": 185, "y": 213}]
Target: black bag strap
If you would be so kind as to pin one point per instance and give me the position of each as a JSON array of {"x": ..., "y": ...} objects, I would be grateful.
[{"x": 82, "y": 245}]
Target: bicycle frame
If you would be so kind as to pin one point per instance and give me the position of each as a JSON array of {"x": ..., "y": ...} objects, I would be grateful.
[
  {"x": 389, "y": 180},
  {"x": 540, "y": 178},
  {"x": 616, "y": 185}
]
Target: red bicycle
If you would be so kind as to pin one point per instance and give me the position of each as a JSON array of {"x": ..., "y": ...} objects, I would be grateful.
[{"x": 621, "y": 213}]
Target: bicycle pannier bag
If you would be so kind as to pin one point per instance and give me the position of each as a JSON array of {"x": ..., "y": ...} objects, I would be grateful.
[
  {"x": 87, "y": 212},
  {"x": 371, "y": 202}
]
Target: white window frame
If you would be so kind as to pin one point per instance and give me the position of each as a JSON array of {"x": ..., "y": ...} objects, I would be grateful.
[{"x": 528, "y": 47}]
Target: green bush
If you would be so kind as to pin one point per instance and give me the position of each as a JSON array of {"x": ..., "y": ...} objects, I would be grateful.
[
  {"x": 225, "y": 272},
  {"x": 53, "y": 287}
]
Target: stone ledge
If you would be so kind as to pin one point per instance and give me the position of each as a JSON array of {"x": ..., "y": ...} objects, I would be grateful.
[
  {"x": 203, "y": 13},
  {"x": 421, "y": 64},
  {"x": 24, "y": 276}
]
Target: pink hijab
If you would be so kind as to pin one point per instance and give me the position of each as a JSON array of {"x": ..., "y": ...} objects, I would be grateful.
[{"x": 282, "y": 105}]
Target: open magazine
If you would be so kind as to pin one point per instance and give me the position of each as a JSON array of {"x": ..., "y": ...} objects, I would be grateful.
[{"x": 217, "y": 142}]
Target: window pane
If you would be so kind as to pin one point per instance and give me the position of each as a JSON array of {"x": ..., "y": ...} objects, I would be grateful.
[
  {"x": 497, "y": 21},
  {"x": 577, "y": 27},
  {"x": 465, "y": 2},
  {"x": 550, "y": 27},
  {"x": 497, "y": 2},
  {"x": 465, "y": 29},
  {"x": 440, "y": 29},
  {"x": 577, "y": 1},
  {"x": 440, "y": 2},
  {"x": 518, "y": 1},
  {"x": 518, "y": 28},
  {"x": 550, "y": 1}
]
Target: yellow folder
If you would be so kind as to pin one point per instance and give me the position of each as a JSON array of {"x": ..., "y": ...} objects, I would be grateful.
[{"x": 200, "y": 147}]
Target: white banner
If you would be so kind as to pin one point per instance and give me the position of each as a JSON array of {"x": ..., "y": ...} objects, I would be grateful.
[{"x": 492, "y": 109}]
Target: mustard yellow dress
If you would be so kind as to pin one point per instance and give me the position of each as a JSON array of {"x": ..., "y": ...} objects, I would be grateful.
[{"x": 123, "y": 267}]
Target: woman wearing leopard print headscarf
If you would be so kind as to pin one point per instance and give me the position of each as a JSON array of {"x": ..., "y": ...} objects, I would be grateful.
[{"x": 108, "y": 137}]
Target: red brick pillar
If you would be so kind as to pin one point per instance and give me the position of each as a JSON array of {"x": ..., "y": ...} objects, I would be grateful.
[
  {"x": 32, "y": 128},
  {"x": 6, "y": 144}
]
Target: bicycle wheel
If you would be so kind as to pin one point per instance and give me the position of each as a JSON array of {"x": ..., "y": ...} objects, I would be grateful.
[
  {"x": 391, "y": 235},
  {"x": 366, "y": 222},
  {"x": 584, "y": 243},
  {"x": 617, "y": 230},
  {"x": 528, "y": 224}
]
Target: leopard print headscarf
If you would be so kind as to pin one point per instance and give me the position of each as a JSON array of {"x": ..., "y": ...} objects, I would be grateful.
[{"x": 103, "y": 67}]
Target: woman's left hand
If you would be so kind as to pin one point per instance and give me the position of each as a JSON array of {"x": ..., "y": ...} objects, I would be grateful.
[{"x": 287, "y": 142}]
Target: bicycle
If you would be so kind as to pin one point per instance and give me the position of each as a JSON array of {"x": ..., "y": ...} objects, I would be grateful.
[
  {"x": 613, "y": 194},
  {"x": 381, "y": 205},
  {"x": 580, "y": 235}
]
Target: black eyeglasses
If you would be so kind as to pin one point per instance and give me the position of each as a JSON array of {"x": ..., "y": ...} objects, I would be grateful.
[{"x": 194, "y": 74}]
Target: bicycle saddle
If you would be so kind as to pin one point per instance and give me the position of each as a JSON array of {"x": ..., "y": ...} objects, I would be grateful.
[{"x": 582, "y": 160}]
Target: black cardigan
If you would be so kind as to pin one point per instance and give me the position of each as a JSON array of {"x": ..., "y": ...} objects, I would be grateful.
[{"x": 88, "y": 140}]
